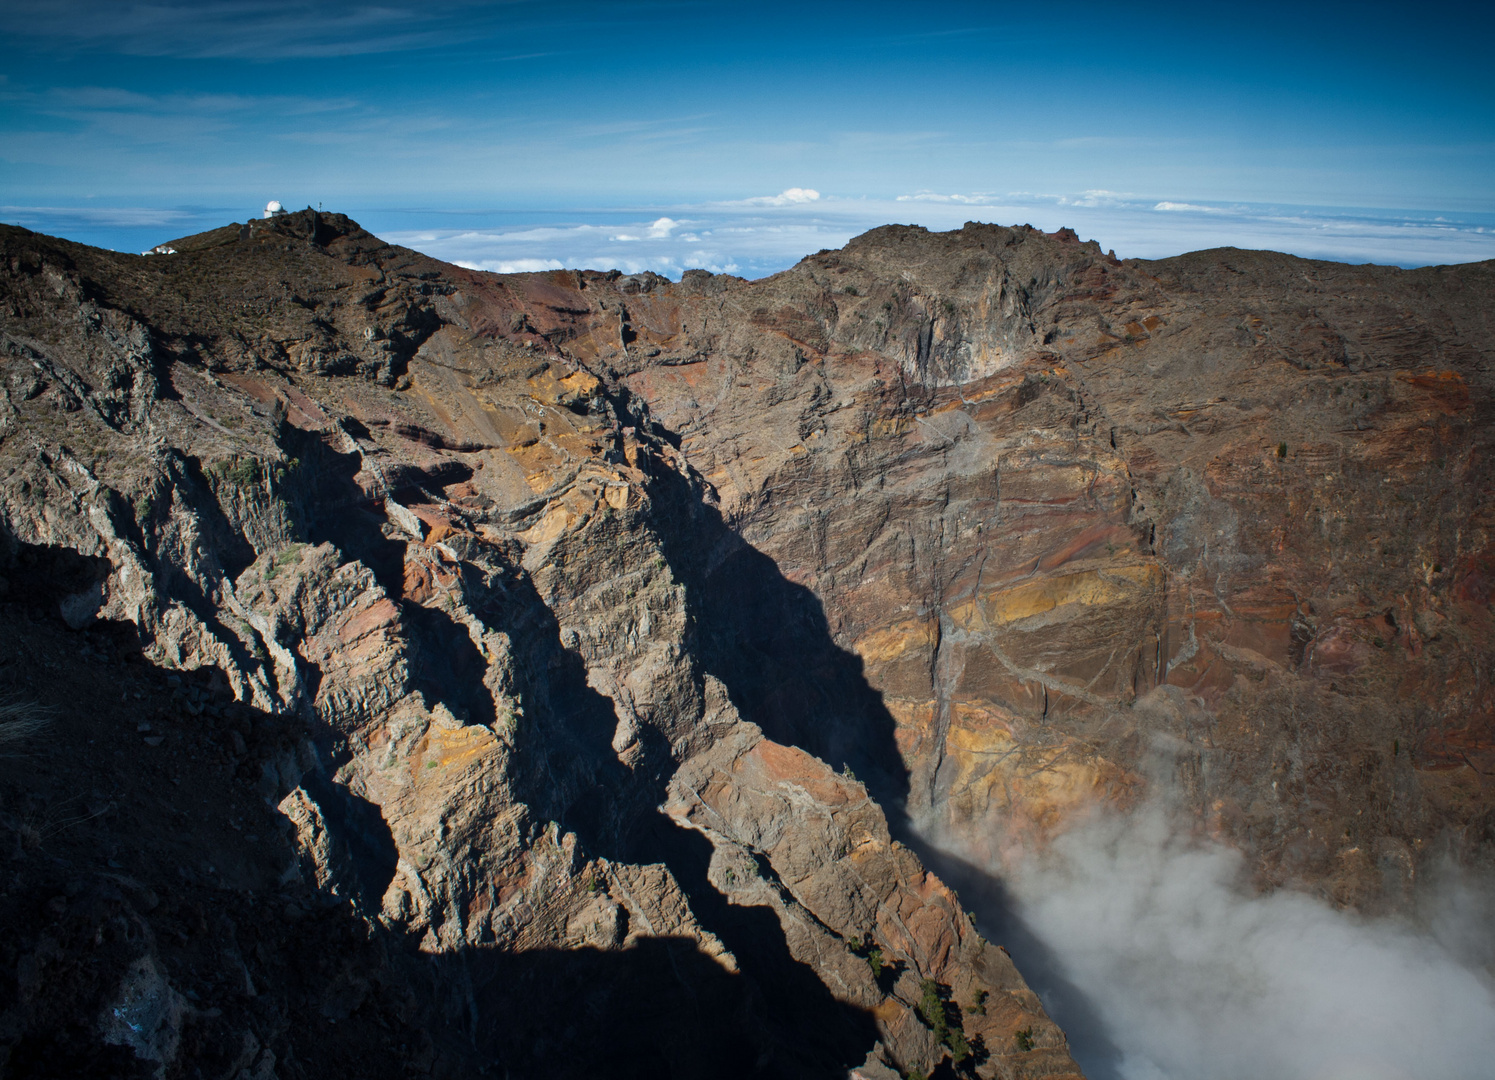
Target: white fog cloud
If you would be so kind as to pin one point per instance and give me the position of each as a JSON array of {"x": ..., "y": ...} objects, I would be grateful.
[{"x": 1193, "y": 977}]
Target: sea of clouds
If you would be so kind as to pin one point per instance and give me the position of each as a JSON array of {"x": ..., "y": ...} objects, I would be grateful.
[
  {"x": 1151, "y": 949},
  {"x": 762, "y": 235},
  {"x": 756, "y": 237}
]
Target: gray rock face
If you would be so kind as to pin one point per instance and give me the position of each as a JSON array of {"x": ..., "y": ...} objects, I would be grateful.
[
  {"x": 548, "y": 621},
  {"x": 401, "y": 522}
]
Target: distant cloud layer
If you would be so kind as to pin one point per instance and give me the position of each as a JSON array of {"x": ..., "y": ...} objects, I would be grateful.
[{"x": 762, "y": 235}]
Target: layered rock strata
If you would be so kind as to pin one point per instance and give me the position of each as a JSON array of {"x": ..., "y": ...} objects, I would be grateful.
[
  {"x": 600, "y": 640},
  {"x": 1066, "y": 514},
  {"x": 443, "y": 598}
]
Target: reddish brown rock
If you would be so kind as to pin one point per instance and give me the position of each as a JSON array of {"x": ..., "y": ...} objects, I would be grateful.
[
  {"x": 983, "y": 518},
  {"x": 404, "y": 517}
]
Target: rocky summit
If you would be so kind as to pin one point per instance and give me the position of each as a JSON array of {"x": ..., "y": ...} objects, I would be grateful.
[{"x": 411, "y": 670}]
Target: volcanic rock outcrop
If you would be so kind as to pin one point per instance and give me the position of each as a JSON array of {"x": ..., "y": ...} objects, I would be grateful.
[
  {"x": 1068, "y": 512},
  {"x": 545, "y": 674},
  {"x": 392, "y": 585}
]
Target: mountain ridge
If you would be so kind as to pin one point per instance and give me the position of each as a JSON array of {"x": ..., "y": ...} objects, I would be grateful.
[{"x": 933, "y": 535}]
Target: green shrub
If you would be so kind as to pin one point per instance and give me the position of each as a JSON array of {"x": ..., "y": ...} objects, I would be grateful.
[
  {"x": 283, "y": 559},
  {"x": 283, "y": 471},
  {"x": 1282, "y": 450},
  {"x": 936, "y": 1013},
  {"x": 931, "y": 1008},
  {"x": 1023, "y": 1040},
  {"x": 236, "y": 472}
]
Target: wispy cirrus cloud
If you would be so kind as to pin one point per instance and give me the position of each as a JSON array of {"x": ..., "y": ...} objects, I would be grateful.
[
  {"x": 117, "y": 217},
  {"x": 117, "y": 99},
  {"x": 249, "y": 29}
]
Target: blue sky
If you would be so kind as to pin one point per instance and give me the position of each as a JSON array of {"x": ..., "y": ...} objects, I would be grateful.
[{"x": 525, "y": 134}]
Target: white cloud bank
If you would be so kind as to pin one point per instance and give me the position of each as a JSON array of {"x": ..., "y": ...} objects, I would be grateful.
[
  {"x": 765, "y": 234},
  {"x": 759, "y": 236},
  {"x": 1192, "y": 977}
]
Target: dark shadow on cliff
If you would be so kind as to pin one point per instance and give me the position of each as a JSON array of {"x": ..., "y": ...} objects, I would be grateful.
[
  {"x": 135, "y": 836},
  {"x": 660, "y": 1008},
  {"x": 330, "y": 507},
  {"x": 567, "y": 769},
  {"x": 768, "y": 641},
  {"x": 116, "y": 851},
  {"x": 807, "y": 1025}
]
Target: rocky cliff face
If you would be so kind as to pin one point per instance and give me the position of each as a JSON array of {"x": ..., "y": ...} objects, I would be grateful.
[
  {"x": 427, "y": 754},
  {"x": 545, "y": 673},
  {"x": 1067, "y": 511}
]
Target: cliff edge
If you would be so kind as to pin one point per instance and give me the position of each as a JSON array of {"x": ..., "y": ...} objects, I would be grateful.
[{"x": 373, "y": 716}]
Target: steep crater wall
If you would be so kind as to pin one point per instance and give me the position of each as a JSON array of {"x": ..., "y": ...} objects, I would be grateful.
[{"x": 398, "y": 590}]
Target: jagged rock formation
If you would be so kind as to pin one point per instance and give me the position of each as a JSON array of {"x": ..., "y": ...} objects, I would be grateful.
[
  {"x": 431, "y": 753},
  {"x": 597, "y": 639},
  {"x": 1063, "y": 507}
]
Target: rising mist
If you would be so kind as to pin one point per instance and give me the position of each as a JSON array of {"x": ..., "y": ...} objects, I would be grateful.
[{"x": 1151, "y": 949}]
